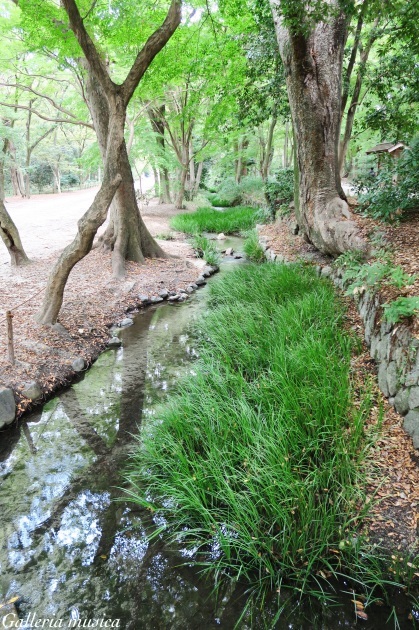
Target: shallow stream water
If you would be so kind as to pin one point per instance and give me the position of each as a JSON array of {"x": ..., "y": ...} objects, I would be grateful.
[{"x": 71, "y": 546}]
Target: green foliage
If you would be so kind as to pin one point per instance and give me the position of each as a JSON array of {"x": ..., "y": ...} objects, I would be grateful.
[
  {"x": 229, "y": 221},
  {"x": 165, "y": 236},
  {"x": 252, "y": 247},
  {"x": 259, "y": 455},
  {"x": 206, "y": 249},
  {"x": 372, "y": 274},
  {"x": 395, "y": 188},
  {"x": 40, "y": 174},
  {"x": 400, "y": 308},
  {"x": 249, "y": 192},
  {"x": 69, "y": 180},
  {"x": 280, "y": 191}
]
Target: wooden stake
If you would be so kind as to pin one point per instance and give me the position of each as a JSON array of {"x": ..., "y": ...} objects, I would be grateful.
[{"x": 10, "y": 347}]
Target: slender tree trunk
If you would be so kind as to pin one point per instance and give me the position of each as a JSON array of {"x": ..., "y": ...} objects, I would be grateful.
[
  {"x": 181, "y": 191},
  {"x": 57, "y": 179},
  {"x": 350, "y": 116},
  {"x": 156, "y": 116},
  {"x": 10, "y": 237},
  {"x": 156, "y": 182},
  {"x": 198, "y": 178},
  {"x": 313, "y": 69},
  {"x": 269, "y": 148}
]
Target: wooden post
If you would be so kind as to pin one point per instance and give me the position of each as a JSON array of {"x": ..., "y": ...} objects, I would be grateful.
[{"x": 10, "y": 348}]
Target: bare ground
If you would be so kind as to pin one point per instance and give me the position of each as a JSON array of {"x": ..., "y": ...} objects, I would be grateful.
[{"x": 93, "y": 300}]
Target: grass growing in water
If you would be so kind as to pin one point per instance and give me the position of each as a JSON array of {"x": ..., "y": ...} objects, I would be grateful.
[
  {"x": 252, "y": 247},
  {"x": 230, "y": 221},
  {"x": 206, "y": 249},
  {"x": 259, "y": 452}
]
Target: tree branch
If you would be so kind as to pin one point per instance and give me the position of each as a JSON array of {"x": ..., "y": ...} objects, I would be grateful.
[
  {"x": 48, "y": 98},
  {"x": 153, "y": 45},
  {"x": 54, "y": 120},
  {"x": 96, "y": 64},
  {"x": 44, "y": 135}
]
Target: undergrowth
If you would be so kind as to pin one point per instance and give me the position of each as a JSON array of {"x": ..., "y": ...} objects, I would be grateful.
[
  {"x": 230, "y": 221},
  {"x": 359, "y": 275},
  {"x": 206, "y": 249},
  {"x": 256, "y": 462},
  {"x": 252, "y": 248}
]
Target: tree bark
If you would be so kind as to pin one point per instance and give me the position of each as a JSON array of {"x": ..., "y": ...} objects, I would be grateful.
[
  {"x": 126, "y": 235},
  {"x": 350, "y": 116},
  {"x": 87, "y": 225},
  {"x": 10, "y": 237},
  {"x": 156, "y": 119},
  {"x": 313, "y": 67},
  {"x": 117, "y": 97}
]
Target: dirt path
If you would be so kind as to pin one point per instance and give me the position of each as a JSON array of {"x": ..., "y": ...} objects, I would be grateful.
[{"x": 93, "y": 300}]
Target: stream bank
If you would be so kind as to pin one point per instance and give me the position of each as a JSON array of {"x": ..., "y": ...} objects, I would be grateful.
[
  {"x": 71, "y": 551},
  {"x": 392, "y": 356}
]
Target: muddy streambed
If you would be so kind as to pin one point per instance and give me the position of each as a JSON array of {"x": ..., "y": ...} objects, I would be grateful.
[{"x": 73, "y": 553}]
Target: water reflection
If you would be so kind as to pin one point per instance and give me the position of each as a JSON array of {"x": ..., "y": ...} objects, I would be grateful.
[{"x": 67, "y": 547}]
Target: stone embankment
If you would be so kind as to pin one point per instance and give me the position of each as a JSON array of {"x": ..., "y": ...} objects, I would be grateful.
[{"x": 392, "y": 346}]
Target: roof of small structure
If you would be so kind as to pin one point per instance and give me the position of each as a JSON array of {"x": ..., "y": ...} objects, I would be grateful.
[{"x": 386, "y": 147}]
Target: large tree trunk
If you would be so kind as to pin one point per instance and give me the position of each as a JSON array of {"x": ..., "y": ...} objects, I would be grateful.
[
  {"x": 126, "y": 234},
  {"x": 10, "y": 237},
  {"x": 313, "y": 69},
  {"x": 117, "y": 98}
]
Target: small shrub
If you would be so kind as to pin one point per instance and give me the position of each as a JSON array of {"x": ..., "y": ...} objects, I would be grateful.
[
  {"x": 280, "y": 191},
  {"x": 252, "y": 247},
  {"x": 206, "y": 249},
  {"x": 252, "y": 191},
  {"x": 395, "y": 188},
  {"x": 227, "y": 195},
  {"x": 400, "y": 308},
  {"x": 249, "y": 192}
]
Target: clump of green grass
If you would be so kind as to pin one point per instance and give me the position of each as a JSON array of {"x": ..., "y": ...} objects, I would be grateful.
[
  {"x": 206, "y": 249},
  {"x": 256, "y": 460},
  {"x": 252, "y": 247},
  {"x": 165, "y": 236},
  {"x": 231, "y": 221}
]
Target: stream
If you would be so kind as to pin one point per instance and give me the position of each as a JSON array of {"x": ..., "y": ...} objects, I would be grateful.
[{"x": 71, "y": 546}]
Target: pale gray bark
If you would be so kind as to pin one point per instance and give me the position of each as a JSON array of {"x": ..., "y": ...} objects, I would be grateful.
[
  {"x": 313, "y": 67},
  {"x": 10, "y": 237},
  {"x": 116, "y": 157}
]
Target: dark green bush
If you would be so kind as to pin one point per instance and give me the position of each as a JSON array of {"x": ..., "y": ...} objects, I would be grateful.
[
  {"x": 394, "y": 189},
  {"x": 280, "y": 191}
]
